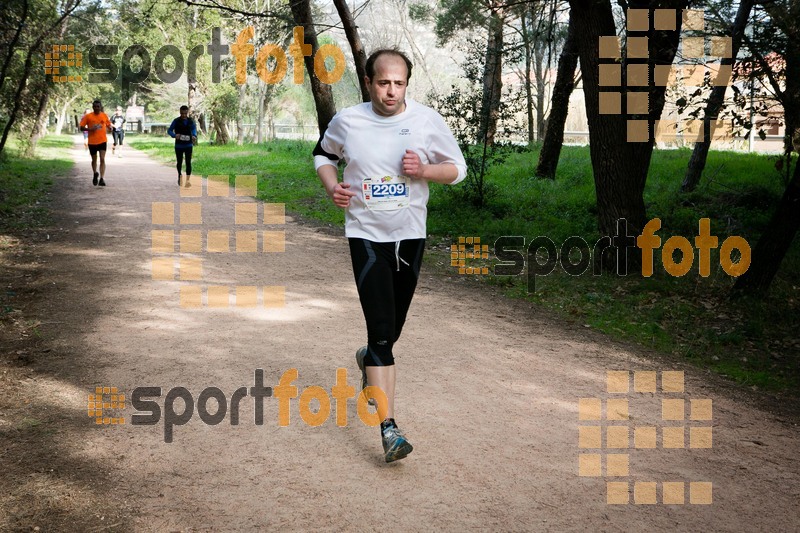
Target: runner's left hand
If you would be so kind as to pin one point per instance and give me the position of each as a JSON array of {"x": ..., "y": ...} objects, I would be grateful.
[{"x": 412, "y": 165}]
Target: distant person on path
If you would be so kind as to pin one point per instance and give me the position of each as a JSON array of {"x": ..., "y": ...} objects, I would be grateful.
[
  {"x": 85, "y": 133},
  {"x": 118, "y": 131},
  {"x": 393, "y": 147},
  {"x": 97, "y": 124},
  {"x": 184, "y": 131}
]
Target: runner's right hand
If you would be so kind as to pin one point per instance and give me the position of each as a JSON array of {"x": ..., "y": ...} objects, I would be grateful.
[{"x": 341, "y": 196}]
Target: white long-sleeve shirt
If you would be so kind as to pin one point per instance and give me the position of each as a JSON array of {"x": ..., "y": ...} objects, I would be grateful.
[{"x": 373, "y": 147}]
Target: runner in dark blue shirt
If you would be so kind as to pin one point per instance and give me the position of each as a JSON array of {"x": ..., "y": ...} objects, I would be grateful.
[{"x": 184, "y": 132}]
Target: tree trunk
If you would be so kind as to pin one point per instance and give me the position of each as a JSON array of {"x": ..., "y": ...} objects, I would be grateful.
[
  {"x": 240, "y": 116},
  {"x": 785, "y": 222},
  {"x": 559, "y": 107},
  {"x": 39, "y": 128},
  {"x": 359, "y": 56},
  {"x": 541, "y": 87},
  {"x": 619, "y": 166},
  {"x": 220, "y": 128},
  {"x": 774, "y": 242},
  {"x": 12, "y": 116},
  {"x": 323, "y": 95},
  {"x": 526, "y": 43},
  {"x": 12, "y": 46},
  {"x": 260, "y": 115},
  {"x": 492, "y": 80},
  {"x": 698, "y": 160}
]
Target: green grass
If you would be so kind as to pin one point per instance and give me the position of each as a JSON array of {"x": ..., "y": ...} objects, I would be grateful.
[
  {"x": 754, "y": 342},
  {"x": 285, "y": 171},
  {"x": 24, "y": 183}
]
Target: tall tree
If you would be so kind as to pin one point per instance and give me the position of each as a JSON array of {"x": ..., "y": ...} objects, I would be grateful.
[
  {"x": 38, "y": 28},
  {"x": 490, "y": 16},
  {"x": 621, "y": 139},
  {"x": 715, "y": 100},
  {"x": 559, "y": 107},
  {"x": 782, "y": 228},
  {"x": 323, "y": 96}
]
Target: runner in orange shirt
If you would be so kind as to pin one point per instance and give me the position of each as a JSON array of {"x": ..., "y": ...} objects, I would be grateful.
[{"x": 97, "y": 123}]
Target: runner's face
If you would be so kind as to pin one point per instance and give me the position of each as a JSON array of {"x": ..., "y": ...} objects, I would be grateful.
[
  {"x": 387, "y": 88},
  {"x": 184, "y": 113},
  {"x": 97, "y": 108}
]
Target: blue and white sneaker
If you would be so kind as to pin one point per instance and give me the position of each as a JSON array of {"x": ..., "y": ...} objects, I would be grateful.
[{"x": 395, "y": 444}]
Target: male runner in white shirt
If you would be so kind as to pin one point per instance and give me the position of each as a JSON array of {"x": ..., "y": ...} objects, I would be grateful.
[{"x": 393, "y": 146}]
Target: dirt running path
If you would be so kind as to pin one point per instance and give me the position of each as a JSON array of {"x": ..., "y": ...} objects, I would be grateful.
[{"x": 488, "y": 393}]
